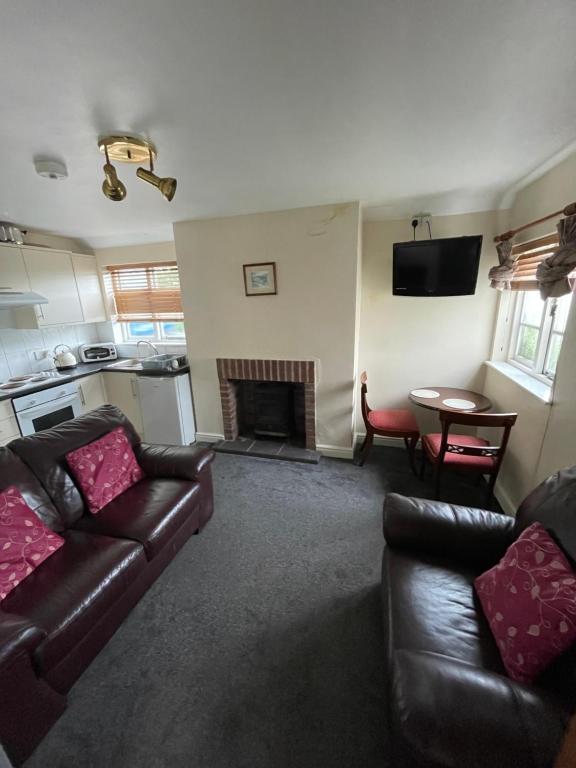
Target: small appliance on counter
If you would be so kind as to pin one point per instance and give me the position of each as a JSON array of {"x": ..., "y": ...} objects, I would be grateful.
[
  {"x": 66, "y": 359},
  {"x": 92, "y": 353}
]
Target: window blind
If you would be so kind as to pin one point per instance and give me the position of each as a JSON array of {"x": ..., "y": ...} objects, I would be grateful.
[
  {"x": 528, "y": 256},
  {"x": 145, "y": 291}
]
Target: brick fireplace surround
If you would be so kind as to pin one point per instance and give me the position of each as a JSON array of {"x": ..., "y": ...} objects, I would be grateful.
[{"x": 296, "y": 371}]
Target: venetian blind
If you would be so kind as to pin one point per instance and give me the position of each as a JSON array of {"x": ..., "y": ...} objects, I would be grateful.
[
  {"x": 528, "y": 256},
  {"x": 146, "y": 291}
]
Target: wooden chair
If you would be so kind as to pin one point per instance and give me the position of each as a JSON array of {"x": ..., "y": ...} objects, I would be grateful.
[
  {"x": 399, "y": 422},
  {"x": 467, "y": 452}
]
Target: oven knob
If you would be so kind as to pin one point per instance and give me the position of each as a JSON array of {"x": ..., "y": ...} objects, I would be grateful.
[{"x": 33, "y": 402}]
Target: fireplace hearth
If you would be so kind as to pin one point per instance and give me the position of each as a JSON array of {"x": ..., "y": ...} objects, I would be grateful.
[{"x": 272, "y": 399}]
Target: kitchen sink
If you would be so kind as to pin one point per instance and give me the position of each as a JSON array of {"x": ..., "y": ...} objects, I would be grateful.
[
  {"x": 131, "y": 364},
  {"x": 165, "y": 362}
]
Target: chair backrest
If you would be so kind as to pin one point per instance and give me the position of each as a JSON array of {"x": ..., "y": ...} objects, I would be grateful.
[
  {"x": 363, "y": 402},
  {"x": 496, "y": 420}
]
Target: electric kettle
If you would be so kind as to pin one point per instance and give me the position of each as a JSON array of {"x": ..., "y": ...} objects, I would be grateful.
[{"x": 65, "y": 359}]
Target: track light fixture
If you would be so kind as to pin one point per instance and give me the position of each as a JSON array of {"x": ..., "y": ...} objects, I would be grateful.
[
  {"x": 166, "y": 186},
  {"x": 131, "y": 149},
  {"x": 112, "y": 187}
]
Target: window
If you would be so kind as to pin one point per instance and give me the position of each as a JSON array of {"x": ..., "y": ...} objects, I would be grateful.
[
  {"x": 538, "y": 327},
  {"x": 538, "y": 332},
  {"x": 147, "y": 303}
]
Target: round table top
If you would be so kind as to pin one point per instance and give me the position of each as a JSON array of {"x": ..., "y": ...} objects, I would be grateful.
[{"x": 450, "y": 399}]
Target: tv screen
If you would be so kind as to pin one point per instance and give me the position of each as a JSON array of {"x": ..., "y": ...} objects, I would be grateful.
[{"x": 444, "y": 267}]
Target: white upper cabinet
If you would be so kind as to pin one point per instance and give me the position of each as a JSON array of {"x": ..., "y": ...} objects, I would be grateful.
[
  {"x": 89, "y": 288},
  {"x": 13, "y": 275},
  {"x": 52, "y": 275}
]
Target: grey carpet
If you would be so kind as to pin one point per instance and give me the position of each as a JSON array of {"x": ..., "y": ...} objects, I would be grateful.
[{"x": 261, "y": 644}]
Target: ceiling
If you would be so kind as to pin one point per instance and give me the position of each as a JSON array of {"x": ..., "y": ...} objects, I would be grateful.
[{"x": 267, "y": 104}]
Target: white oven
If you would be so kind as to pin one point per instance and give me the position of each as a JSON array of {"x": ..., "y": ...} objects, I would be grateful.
[{"x": 44, "y": 409}]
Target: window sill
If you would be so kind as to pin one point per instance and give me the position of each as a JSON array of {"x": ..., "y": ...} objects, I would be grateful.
[{"x": 538, "y": 388}]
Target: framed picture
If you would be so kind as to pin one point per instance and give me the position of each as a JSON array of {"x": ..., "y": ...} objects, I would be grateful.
[{"x": 260, "y": 279}]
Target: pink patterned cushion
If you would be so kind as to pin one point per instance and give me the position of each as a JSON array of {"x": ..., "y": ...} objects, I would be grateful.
[
  {"x": 529, "y": 599},
  {"x": 105, "y": 468},
  {"x": 25, "y": 541}
]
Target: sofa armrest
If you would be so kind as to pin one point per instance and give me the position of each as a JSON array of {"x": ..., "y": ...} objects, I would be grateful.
[
  {"x": 474, "y": 536},
  {"x": 17, "y": 635},
  {"x": 174, "y": 461},
  {"x": 449, "y": 713}
]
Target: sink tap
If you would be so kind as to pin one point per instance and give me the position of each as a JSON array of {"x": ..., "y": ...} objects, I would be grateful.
[{"x": 149, "y": 343}]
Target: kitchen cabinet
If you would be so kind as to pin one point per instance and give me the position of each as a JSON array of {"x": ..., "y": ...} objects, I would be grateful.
[
  {"x": 8, "y": 425},
  {"x": 52, "y": 275},
  {"x": 92, "y": 392},
  {"x": 89, "y": 288},
  {"x": 122, "y": 391},
  {"x": 13, "y": 275}
]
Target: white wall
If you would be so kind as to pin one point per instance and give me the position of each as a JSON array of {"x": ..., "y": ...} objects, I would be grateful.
[
  {"x": 544, "y": 438},
  {"x": 316, "y": 251},
  {"x": 136, "y": 254},
  {"x": 408, "y": 342}
]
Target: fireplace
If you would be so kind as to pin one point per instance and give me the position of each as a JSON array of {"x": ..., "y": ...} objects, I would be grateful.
[{"x": 269, "y": 398}]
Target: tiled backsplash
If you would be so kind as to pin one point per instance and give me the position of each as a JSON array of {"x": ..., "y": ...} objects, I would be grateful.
[{"x": 17, "y": 347}]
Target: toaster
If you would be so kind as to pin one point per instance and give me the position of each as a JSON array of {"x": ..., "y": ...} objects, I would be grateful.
[{"x": 92, "y": 353}]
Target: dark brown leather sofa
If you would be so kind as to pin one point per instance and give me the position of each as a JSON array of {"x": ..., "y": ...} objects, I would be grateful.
[
  {"x": 55, "y": 622},
  {"x": 451, "y": 704}
]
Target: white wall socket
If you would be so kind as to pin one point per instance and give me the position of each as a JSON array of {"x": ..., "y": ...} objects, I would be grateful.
[{"x": 41, "y": 354}]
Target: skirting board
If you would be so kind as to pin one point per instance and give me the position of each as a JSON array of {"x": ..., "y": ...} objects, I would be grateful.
[
  {"x": 208, "y": 437},
  {"x": 335, "y": 452},
  {"x": 504, "y": 499}
]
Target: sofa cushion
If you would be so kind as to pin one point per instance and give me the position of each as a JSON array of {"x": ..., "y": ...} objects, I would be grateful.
[
  {"x": 529, "y": 599},
  {"x": 13, "y": 471},
  {"x": 104, "y": 468},
  {"x": 432, "y": 606},
  {"x": 72, "y": 590},
  {"x": 149, "y": 512},
  {"x": 25, "y": 542},
  {"x": 45, "y": 454}
]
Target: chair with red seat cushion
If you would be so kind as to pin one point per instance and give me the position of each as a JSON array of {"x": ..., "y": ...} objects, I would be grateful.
[
  {"x": 398, "y": 422},
  {"x": 467, "y": 452}
]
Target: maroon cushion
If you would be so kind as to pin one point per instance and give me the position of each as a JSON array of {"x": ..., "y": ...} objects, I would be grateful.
[
  {"x": 73, "y": 589},
  {"x": 149, "y": 512},
  {"x": 25, "y": 542},
  {"x": 432, "y": 447},
  {"x": 393, "y": 420},
  {"x": 104, "y": 468},
  {"x": 529, "y": 598}
]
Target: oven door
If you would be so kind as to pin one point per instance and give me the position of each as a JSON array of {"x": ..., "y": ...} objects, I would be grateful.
[{"x": 49, "y": 414}]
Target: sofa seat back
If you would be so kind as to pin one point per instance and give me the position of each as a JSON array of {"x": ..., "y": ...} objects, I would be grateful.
[
  {"x": 14, "y": 472},
  {"x": 553, "y": 504},
  {"x": 45, "y": 454}
]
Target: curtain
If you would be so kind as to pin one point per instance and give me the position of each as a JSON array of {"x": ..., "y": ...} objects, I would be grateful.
[
  {"x": 553, "y": 274},
  {"x": 501, "y": 275}
]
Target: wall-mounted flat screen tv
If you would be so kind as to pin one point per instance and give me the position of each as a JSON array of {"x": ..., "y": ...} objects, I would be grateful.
[{"x": 442, "y": 267}]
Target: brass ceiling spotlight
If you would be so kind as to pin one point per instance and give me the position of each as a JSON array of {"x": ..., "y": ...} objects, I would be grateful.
[
  {"x": 131, "y": 149},
  {"x": 112, "y": 187},
  {"x": 166, "y": 186}
]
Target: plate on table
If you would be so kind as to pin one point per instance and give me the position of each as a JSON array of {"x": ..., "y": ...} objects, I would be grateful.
[
  {"x": 461, "y": 405},
  {"x": 426, "y": 393}
]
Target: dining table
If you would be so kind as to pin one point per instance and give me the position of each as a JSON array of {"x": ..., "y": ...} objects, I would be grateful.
[{"x": 450, "y": 399}]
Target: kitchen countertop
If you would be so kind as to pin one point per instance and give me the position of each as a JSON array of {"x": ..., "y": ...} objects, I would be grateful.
[{"x": 87, "y": 369}]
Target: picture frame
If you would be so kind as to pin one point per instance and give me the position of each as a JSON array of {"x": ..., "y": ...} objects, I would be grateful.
[{"x": 260, "y": 278}]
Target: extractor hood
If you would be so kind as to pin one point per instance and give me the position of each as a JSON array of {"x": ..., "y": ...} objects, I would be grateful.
[{"x": 13, "y": 299}]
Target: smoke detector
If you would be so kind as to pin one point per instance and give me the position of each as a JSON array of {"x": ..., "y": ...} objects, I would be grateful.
[{"x": 51, "y": 169}]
